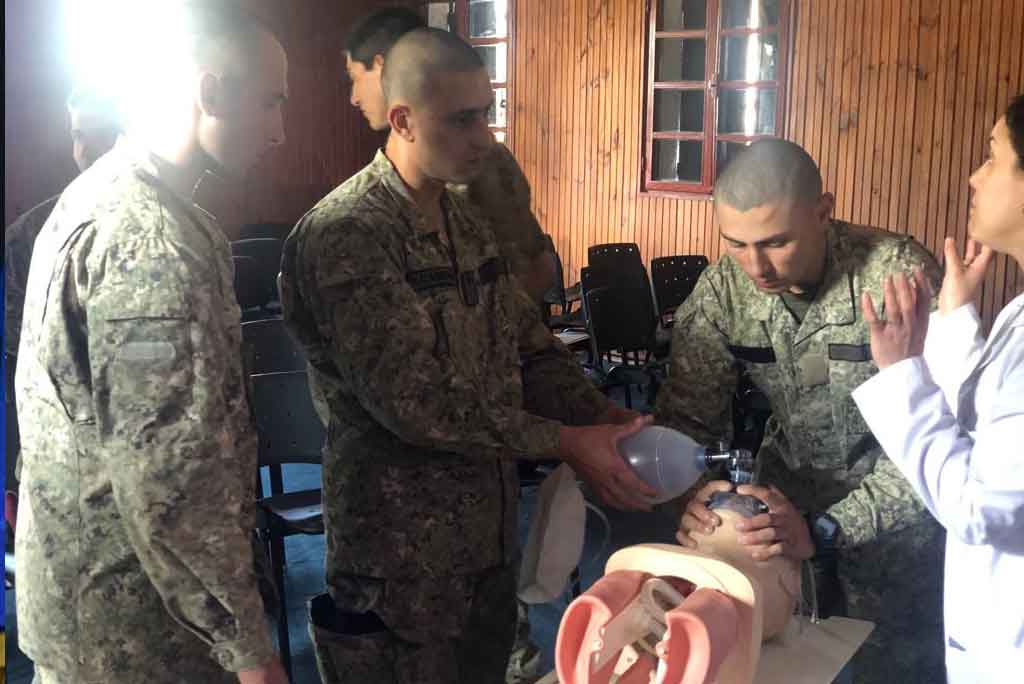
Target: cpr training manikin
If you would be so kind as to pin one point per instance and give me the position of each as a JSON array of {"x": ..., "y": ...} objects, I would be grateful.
[{"x": 665, "y": 614}]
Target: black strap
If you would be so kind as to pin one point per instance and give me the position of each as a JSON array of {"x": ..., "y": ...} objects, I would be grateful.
[{"x": 753, "y": 354}]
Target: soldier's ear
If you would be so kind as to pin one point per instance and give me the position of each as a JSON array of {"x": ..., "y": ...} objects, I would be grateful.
[
  {"x": 398, "y": 118},
  {"x": 826, "y": 204},
  {"x": 209, "y": 96}
]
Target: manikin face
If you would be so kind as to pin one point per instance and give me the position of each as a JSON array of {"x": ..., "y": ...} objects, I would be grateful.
[
  {"x": 781, "y": 245},
  {"x": 246, "y": 118},
  {"x": 997, "y": 205},
  {"x": 367, "y": 92},
  {"x": 448, "y": 131}
]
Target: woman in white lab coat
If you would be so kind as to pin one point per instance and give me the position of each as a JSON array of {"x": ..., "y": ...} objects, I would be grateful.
[{"x": 948, "y": 408}]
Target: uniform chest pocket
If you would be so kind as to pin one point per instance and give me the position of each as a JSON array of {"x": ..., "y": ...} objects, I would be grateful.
[{"x": 849, "y": 366}]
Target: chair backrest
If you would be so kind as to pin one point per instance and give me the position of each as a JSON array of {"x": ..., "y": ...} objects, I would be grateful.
[
  {"x": 620, "y": 318},
  {"x": 287, "y": 425},
  {"x": 259, "y": 276},
  {"x": 265, "y": 251},
  {"x": 250, "y": 290},
  {"x": 615, "y": 256},
  {"x": 268, "y": 347},
  {"x": 278, "y": 231},
  {"x": 674, "y": 278},
  {"x": 556, "y": 293}
]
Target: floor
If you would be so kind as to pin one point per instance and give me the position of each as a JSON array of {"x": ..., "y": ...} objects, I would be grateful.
[{"x": 305, "y": 577}]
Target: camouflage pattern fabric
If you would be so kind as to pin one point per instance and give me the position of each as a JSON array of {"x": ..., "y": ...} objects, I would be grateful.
[
  {"x": 438, "y": 630},
  {"x": 501, "y": 194},
  {"x": 414, "y": 336},
  {"x": 137, "y": 498},
  {"x": 817, "y": 448}
]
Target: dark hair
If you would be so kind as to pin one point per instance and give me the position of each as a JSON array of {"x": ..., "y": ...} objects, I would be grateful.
[
  {"x": 416, "y": 60},
  {"x": 375, "y": 34},
  {"x": 1015, "y": 122}
]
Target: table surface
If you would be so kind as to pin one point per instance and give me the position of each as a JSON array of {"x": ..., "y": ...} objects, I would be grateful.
[{"x": 572, "y": 337}]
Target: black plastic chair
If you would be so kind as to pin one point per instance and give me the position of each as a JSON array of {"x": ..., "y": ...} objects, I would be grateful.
[
  {"x": 289, "y": 431},
  {"x": 277, "y": 231},
  {"x": 252, "y": 293},
  {"x": 261, "y": 262},
  {"x": 615, "y": 256},
  {"x": 268, "y": 347},
  {"x": 621, "y": 320},
  {"x": 562, "y": 297},
  {"x": 674, "y": 278}
]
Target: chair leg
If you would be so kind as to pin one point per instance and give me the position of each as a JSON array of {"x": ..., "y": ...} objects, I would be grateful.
[
  {"x": 277, "y": 562},
  {"x": 276, "y": 489},
  {"x": 629, "y": 397},
  {"x": 574, "y": 580}
]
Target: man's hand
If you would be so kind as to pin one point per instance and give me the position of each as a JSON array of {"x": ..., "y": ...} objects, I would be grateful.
[
  {"x": 616, "y": 415},
  {"x": 697, "y": 519},
  {"x": 271, "y": 673},
  {"x": 963, "y": 276},
  {"x": 901, "y": 335},
  {"x": 593, "y": 453},
  {"x": 782, "y": 531}
]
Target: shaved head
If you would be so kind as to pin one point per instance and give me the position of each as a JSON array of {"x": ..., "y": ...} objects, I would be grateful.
[
  {"x": 419, "y": 59},
  {"x": 769, "y": 172},
  {"x": 226, "y": 40}
]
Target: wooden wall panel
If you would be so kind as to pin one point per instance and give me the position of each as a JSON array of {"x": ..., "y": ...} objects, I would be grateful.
[{"x": 893, "y": 98}]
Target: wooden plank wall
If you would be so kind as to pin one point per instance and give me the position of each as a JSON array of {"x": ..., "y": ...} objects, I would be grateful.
[{"x": 896, "y": 111}]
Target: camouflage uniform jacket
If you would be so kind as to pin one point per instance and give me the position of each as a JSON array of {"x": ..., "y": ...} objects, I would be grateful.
[
  {"x": 817, "y": 448},
  {"x": 501, "y": 194},
  {"x": 133, "y": 543},
  {"x": 412, "y": 339}
]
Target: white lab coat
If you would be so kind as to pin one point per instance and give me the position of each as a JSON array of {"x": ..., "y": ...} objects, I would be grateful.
[{"x": 953, "y": 422}]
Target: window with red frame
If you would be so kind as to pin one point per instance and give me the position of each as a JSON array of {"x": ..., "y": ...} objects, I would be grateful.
[
  {"x": 716, "y": 78},
  {"x": 484, "y": 24}
]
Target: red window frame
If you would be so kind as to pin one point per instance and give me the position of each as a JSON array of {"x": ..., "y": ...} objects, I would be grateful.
[{"x": 713, "y": 33}]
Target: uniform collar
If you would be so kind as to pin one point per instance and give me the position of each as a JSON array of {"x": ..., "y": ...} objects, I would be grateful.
[
  {"x": 385, "y": 169},
  {"x": 147, "y": 166}
]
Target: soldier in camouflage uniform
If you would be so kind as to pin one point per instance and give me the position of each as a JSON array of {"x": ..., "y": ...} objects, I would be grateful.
[
  {"x": 782, "y": 307},
  {"x": 95, "y": 126},
  {"x": 134, "y": 552},
  {"x": 412, "y": 326},
  {"x": 500, "y": 193}
]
